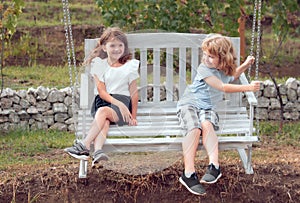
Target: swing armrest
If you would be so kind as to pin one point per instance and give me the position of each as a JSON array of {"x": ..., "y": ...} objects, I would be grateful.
[
  {"x": 250, "y": 95},
  {"x": 86, "y": 91}
]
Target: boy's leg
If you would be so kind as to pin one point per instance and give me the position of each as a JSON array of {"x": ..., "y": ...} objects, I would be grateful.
[
  {"x": 189, "y": 177},
  {"x": 189, "y": 147},
  {"x": 189, "y": 121},
  {"x": 210, "y": 142}
]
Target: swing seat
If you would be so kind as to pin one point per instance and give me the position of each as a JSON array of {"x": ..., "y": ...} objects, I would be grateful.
[{"x": 165, "y": 59}]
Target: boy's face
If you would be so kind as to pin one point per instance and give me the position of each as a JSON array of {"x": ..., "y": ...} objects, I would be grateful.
[
  {"x": 114, "y": 49},
  {"x": 210, "y": 60}
]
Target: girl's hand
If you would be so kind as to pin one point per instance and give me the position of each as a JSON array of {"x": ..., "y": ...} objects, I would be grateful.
[
  {"x": 127, "y": 117},
  {"x": 132, "y": 122},
  {"x": 255, "y": 85},
  {"x": 249, "y": 61}
]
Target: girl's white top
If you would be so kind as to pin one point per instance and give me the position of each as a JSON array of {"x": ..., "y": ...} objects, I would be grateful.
[{"x": 116, "y": 79}]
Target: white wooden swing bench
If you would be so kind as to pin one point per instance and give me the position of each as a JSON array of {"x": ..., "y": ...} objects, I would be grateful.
[{"x": 158, "y": 128}]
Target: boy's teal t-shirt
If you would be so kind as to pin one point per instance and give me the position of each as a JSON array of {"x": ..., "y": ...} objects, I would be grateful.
[{"x": 199, "y": 94}]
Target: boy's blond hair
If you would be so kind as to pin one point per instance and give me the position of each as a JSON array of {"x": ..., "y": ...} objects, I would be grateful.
[{"x": 221, "y": 47}]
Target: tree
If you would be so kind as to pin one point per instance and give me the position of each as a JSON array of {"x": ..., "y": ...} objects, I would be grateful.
[
  {"x": 194, "y": 15},
  {"x": 9, "y": 13}
]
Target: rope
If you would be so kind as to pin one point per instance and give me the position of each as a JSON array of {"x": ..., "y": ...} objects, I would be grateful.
[{"x": 71, "y": 52}]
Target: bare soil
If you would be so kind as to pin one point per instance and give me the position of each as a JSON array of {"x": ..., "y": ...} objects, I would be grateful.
[{"x": 153, "y": 177}]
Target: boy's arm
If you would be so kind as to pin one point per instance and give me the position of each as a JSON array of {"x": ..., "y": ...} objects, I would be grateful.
[
  {"x": 219, "y": 85},
  {"x": 244, "y": 66}
]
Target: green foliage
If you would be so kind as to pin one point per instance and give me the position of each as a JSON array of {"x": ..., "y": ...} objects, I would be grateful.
[
  {"x": 170, "y": 15},
  {"x": 27, "y": 46},
  {"x": 284, "y": 17},
  {"x": 204, "y": 16},
  {"x": 10, "y": 11}
]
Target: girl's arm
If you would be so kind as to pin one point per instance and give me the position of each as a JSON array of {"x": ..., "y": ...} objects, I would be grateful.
[
  {"x": 107, "y": 97},
  {"x": 239, "y": 70},
  {"x": 219, "y": 85},
  {"x": 134, "y": 101}
]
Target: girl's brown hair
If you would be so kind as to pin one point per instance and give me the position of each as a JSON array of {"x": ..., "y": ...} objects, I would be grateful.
[
  {"x": 109, "y": 34},
  {"x": 221, "y": 47}
]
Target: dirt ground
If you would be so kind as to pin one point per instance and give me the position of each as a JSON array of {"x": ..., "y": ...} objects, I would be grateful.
[{"x": 153, "y": 177}]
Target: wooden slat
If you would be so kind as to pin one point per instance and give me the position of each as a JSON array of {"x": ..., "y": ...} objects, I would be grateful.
[
  {"x": 170, "y": 144},
  {"x": 143, "y": 75},
  {"x": 156, "y": 75},
  {"x": 169, "y": 74}
]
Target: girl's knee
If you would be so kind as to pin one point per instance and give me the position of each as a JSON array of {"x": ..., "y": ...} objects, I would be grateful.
[{"x": 103, "y": 111}]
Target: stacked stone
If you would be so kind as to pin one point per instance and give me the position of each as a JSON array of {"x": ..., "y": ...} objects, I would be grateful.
[
  {"x": 269, "y": 107},
  {"x": 40, "y": 108}
]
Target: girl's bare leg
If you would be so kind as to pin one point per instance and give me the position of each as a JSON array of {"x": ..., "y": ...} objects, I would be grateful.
[
  {"x": 99, "y": 123},
  {"x": 100, "y": 139}
]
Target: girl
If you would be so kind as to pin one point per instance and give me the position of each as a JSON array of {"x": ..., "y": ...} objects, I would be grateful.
[
  {"x": 115, "y": 75},
  {"x": 195, "y": 109}
]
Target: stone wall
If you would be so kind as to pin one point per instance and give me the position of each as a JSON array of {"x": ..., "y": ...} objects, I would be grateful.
[
  {"x": 269, "y": 105},
  {"x": 45, "y": 108},
  {"x": 40, "y": 108}
]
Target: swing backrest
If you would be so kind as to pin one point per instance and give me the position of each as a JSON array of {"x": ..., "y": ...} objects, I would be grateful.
[{"x": 168, "y": 62}]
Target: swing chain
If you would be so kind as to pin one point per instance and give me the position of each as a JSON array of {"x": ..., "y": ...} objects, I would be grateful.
[
  {"x": 252, "y": 35},
  {"x": 71, "y": 51},
  {"x": 256, "y": 18},
  {"x": 258, "y": 41}
]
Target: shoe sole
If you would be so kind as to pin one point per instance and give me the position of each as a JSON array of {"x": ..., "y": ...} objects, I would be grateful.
[
  {"x": 211, "y": 182},
  {"x": 80, "y": 157},
  {"x": 187, "y": 187},
  {"x": 101, "y": 158}
]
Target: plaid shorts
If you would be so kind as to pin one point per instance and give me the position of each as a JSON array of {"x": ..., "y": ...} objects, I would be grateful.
[{"x": 191, "y": 117}]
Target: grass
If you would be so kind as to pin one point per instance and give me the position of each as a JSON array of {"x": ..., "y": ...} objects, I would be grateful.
[
  {"x": 290, "y": 134},
  {"x": 22, "y": 147},
  {"x": 25, "y": 147},
  {"x": 23, "y": 77},
  {"x": 50, "y": 13}
]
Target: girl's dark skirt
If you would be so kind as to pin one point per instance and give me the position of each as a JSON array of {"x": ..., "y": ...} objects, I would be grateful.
[{"x": 98, "y": 102}]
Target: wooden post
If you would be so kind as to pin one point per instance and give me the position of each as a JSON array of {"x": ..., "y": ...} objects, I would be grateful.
[{"x": 241, "y": 30}]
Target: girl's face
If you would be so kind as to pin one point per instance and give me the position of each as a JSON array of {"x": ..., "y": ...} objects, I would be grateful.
[
  {"x": 114, "y": 49},
  {"x": 210, "y": 60}
]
